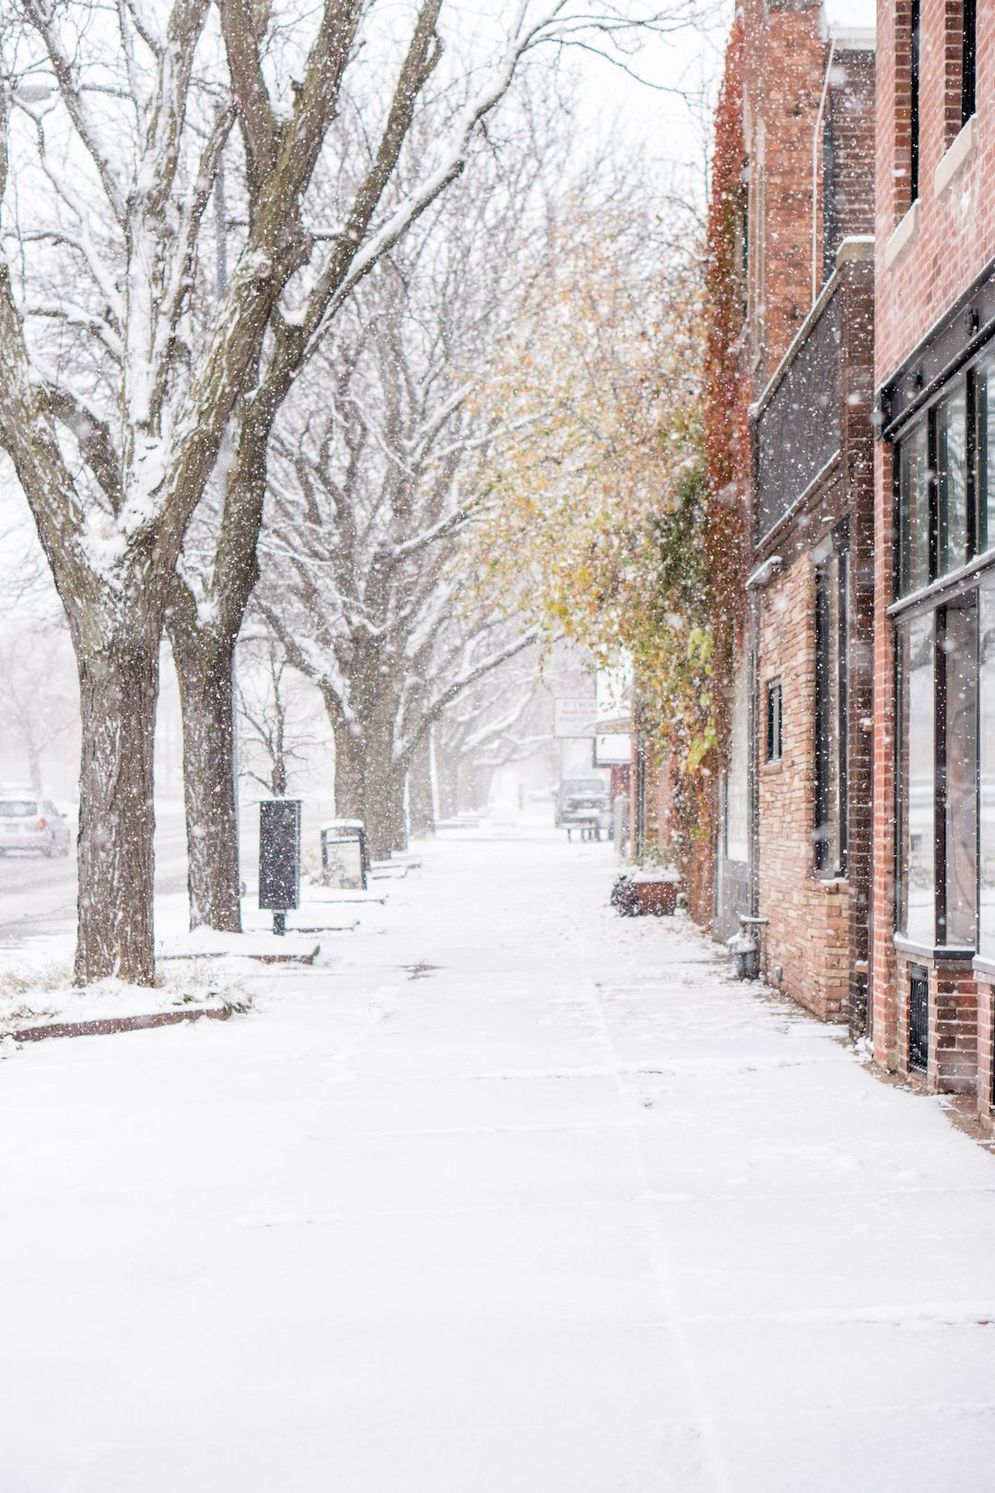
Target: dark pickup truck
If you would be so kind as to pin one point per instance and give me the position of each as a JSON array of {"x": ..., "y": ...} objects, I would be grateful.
[{"x": 582, "y": 803}]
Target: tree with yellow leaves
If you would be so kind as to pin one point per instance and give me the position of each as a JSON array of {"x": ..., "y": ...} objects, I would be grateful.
[{"x": 595, "y": 528}]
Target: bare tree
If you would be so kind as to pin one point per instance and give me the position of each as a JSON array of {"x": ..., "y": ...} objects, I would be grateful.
[
  {"x": 274, "y": 737},
  {"x": 119, "y": 383},
  {"x": 130, "y": 368},
  {"x": 39, "y": 701},
  {"x": 504, "y": 719},
  {"x": 372, "y": 486},
  {"x": 376, "y": 183}
]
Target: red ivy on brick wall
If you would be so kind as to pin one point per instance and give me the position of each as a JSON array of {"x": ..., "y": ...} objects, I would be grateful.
[
  {"x": 726, "y": 386},
  {"x": 726, "y": 394}
]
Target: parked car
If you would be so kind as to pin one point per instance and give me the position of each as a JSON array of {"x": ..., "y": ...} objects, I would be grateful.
[
  {"x": 31, "y": 823},
  {"x": 582, "y": 803}
]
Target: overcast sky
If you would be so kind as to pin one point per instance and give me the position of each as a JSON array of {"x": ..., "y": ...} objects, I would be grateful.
[{"x": 672, "y": 120}]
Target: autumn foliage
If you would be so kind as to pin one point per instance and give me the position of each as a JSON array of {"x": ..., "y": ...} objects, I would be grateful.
[
  {"x": 596, "y": 525},
  {"x": 726, "y": 393}
]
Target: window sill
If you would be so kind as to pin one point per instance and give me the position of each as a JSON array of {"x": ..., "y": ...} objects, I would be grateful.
[
  {"x": 938, "y": 953},
  {"x": 985, "y": 968},
  {"x": 960, "y": 151},
  {"x": 902, "y": 236},
  {"x": 944, "y": 587}
]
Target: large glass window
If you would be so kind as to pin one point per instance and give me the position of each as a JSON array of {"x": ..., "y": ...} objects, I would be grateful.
[
  {"x": 916, "y": 912},
  {"x": 937, "y": 467},
  {"x": 958, "y": 712},
  {"x": 951, "y": 459},
  {"x": 985, "y": 443},
  {"x": 937, "y": 867},
  {"x": 831, "y": 715},
  {"x": 913, "y": 520},
  {"x": 986, "y": 764}
]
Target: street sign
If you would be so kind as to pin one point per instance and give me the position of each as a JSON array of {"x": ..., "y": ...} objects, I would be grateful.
[
  {"x": 612, "y": 749},
  {"x": 576, "y": 717}
]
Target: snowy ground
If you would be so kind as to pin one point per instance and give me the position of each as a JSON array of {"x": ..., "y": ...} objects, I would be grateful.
[{"x": 506, "y": 1195}]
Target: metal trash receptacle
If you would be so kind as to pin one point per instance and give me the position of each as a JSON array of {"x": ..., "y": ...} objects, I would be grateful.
[{"x": 344, "y": 861}]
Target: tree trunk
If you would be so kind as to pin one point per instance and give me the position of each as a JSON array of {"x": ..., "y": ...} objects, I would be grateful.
[
  {"x": 421, "y": 797},
  {"x": 119, "y": 685},
  {"x": 447, "y": 766},
  {"x": 368, "y": 787},
  {"x": 204, "y": 661},
  {"x": 398, "y": 812},
  {"x": 34, "y": 765},
  {"x": 481, "y": 779}
]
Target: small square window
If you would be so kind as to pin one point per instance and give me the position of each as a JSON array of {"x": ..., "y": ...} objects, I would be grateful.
[{"x": 774, "y": 731}]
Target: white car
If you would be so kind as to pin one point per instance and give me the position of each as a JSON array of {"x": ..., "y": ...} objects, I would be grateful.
[{"x": 30, "y": 823}]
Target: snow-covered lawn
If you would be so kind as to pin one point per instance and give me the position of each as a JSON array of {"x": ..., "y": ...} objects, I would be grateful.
[
  {"x": 504, "y": 1195},
  {"x": 196, "y": 970}
]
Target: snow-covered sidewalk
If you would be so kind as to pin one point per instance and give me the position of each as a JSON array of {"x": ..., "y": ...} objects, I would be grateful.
[{"x": 505, "y": 1195}]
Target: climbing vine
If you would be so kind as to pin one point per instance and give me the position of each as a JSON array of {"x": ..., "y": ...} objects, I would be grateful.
[{"x": 726, "y": 393}]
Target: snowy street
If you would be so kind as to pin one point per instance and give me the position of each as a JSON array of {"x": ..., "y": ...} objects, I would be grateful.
[
  {"x": 38, "y": 896},
  {"x": 509, "y": 1194}
]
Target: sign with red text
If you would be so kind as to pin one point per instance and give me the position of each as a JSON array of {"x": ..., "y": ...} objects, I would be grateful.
[{"x": 575, "y": 717}]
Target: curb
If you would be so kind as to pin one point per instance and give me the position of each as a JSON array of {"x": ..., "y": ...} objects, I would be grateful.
[
  {"x": 109, "y": 1025},
  {"x": 257, "y": 958}
]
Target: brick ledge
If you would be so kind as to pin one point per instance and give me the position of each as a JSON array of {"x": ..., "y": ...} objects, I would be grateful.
[{"x": 102, "y": 1026}]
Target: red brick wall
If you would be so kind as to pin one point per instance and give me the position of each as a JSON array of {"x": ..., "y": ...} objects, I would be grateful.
[
  {"x": 784, "y": 68},
  {"x": 952, "y": 242},
  {"x": 858, "y": 477},
  {"x": 884, "y": 1016},
  {"x": 805, "y": 946},
  {"x": 953, "y": 1025},
  {"x": 850, "y": 107},
  {"x": 986, "y": 1046},
  {"x": 955, "y": 240}
]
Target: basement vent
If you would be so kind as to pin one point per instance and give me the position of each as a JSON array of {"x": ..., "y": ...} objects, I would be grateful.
[{"x": 918, "y": 1017}]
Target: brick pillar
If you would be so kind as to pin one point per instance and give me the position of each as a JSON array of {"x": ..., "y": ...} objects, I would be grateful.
[
  {"x": 986, "y": 1047},
  {"x": 954, "y": 1010},
  {"x": 858, "y": 451},
  {"x": 882, "y": 949}
]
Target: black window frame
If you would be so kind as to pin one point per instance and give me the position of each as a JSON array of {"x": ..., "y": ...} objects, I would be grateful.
[
  {"x": 941, "y": 736},
  {"x": 918, "y": 1035},
  {"x": 940, "y": 695},
  {"x": 914, "y": 88},
  {"x": 774, "y": 746},
  {"x": 903, "y": 781},
  {"x": 976, "y": 535},
  {"x": 969, "y": 60},
  {"x": 986, "y": 584},
  {"x": 823, "y": 695},
  {"x": 980, "y": 458}
]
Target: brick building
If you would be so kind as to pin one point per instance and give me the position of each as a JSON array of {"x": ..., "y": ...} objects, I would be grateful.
[
  {"x": 796, "y": 792},
  {"x": 933, "y": 906}
]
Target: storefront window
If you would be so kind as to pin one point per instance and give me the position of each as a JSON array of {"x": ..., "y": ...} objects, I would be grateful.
[
  {"x": 916, "y": 782},
  {"x": 986, "y": 764},
  {"x": 985, "y": 383},
  {"x": 951, "y": 445},
  {"x": 913, "y": 521},
  {"x": 958, "y": 710}
]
